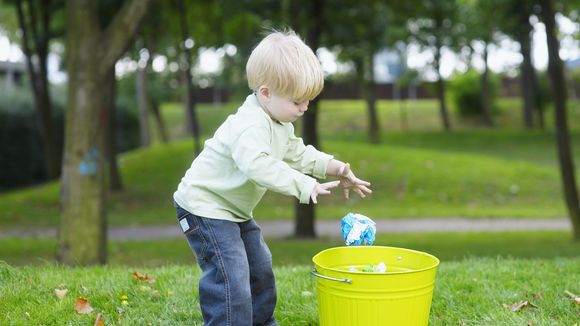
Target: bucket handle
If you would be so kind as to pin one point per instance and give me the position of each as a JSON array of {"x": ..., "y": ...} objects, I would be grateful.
[{"x": 344, "y": 280}]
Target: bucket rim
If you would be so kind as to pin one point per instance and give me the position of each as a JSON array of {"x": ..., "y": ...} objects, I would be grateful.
[{"x": 432, "y": 266}]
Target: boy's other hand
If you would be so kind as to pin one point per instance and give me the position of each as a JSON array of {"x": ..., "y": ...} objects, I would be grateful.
[
  {"x": 322, "y": 189},
  {"x": 350, "y": 182}
]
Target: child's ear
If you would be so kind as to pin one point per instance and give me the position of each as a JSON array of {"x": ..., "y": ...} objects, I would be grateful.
[{"x": 264, "y": 92}]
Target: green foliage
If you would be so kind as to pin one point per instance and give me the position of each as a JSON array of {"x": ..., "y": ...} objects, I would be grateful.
[
  {"x": 20, "y": 139},
  {"x": 465, "y": 92},
  {"x": 21, "y": 142}
]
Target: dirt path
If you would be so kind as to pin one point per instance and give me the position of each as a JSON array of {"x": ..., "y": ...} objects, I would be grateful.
[{"x": 327, "y": 228}]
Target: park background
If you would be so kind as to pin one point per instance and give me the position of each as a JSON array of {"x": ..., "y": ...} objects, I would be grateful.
[{"x": 100, "y": 142}]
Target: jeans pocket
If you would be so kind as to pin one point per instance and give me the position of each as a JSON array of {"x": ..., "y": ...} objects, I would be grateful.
[
  {"x": 187, "y": 221},
  {"x": 191, "y": 226}
]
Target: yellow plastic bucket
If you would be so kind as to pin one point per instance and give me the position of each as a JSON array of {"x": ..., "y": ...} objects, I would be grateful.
[{"x": 400, "y": 296}]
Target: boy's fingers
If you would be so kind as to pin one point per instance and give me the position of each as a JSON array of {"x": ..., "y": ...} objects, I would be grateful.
[
  {"x": 359, "y": 192},
  {"x": 362, "y": 182},
  {"x": 323, "y": 191},
  {"x": 365, "y": 189},
  {"x": 313, "y": 197},
  {"x": 346, "y": 192},
  {"x": 346, "y": 169},
  {"x": 330, "y": 185}
]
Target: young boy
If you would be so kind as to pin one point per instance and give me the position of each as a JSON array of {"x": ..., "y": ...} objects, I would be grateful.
[{"x": 254, "y": 150}]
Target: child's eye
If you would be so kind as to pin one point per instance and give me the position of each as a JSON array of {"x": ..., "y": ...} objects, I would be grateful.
[{"x": 296, "y": 103}]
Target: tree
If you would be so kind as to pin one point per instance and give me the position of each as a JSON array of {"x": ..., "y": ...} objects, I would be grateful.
[
  {"x": 514, "y": 20},
  {"x": 435, "y": 28},
  {"x": 479, "y": 17},
  {"x": 360, "y": 31},
  {"x": 82, "y": 231},
  {"x": 305, "y": 215},
  {"x": 34, "y": 21},
  {"x": 189, "y": 95},
  {"x": 556, "y": 72}
]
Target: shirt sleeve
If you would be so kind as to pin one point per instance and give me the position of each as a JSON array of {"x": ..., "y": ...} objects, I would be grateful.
[
  {"x": 306, "y": 159},
  {"x": 252, "y": 154}
]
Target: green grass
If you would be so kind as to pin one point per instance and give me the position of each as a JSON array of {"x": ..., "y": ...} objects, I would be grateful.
[
  {"x": 469, "y": 292},
  {"x": 407, "y": 182},
  {"x": 468, "y": 173},
  {"x": 446, "y": 246},
  {"x": 423, "y": 115}
]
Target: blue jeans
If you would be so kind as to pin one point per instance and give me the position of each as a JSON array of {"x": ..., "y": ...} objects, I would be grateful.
[{"x": 237, "y": 286}]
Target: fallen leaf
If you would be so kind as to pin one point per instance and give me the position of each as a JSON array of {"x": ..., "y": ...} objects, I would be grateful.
[
  {"x": 98, "y": 320},
  {"x": 82, "y": 306},
  {"x": 515, "y": 307},
  {"x": 574, "y": 297},
  {"x": 143, "y": 278},
  {"x": 60, "y": 293},
  {"x": 539, "y": 296}
]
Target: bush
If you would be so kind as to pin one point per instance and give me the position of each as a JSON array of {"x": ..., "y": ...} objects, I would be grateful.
[
  {"x": 20, "y": 140},
  {"x": 465, "y": 93},
  {"x": 21, "y": 147}
]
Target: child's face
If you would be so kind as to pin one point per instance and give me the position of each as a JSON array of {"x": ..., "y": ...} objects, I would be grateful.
[{"x": 284, "y": 109}]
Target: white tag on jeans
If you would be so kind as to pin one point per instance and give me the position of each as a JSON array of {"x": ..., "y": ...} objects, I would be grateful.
[{"x": 184, "y": 224}]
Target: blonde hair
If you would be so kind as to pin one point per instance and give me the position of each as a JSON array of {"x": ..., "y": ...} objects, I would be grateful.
[{"x": 287, "y": 66}]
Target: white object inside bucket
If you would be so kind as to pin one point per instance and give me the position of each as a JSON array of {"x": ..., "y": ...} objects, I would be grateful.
[{"x": 380, "y": 268}]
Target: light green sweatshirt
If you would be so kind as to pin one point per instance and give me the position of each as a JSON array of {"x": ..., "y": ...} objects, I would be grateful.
[{"x": 249, "y": 154}]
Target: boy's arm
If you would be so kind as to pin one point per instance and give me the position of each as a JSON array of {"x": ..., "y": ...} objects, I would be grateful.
[
  {"x": 251, "y": 153},
  {"x": 306, "y": 159}
]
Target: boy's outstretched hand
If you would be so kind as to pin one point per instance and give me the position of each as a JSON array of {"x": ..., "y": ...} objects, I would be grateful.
[
  {"x": 350, "y": 182},
  {"x": 322, "y": 189}
]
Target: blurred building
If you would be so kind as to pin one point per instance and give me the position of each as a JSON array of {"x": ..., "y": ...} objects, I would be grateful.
[{"x": 11, "y": 74}]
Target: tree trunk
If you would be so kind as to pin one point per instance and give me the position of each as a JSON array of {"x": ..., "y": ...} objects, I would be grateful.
[
  {"x": 159, "y": 121},
  {"x": 39, "y": 78},
  {"x": 82, "y": 231},
  {"x": 441, "y": 91},
  {"x": 527, "y": 70},
  {"x": 485, "y": 93},
  {"x": 143, "y": 101},
  {"x": 192, "y": 124},
  {"x": 539, "y": 108},
  {"x": 305, "y": 215},
  {"x": 556, "y": 72},
  {"x": 109, "y": 98},
  {"x": 370, "y": 98},
  {"x": 82, "y": 236}
]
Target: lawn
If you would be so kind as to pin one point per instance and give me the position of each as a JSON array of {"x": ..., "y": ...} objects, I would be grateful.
[
  {"x": 408, "y": 181},
  {"x": 285, "y": 252},
  {"x": 415, "y": 174},
  {"x": 469, "y": 292},
  {"x": 418, "y": 173}
]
